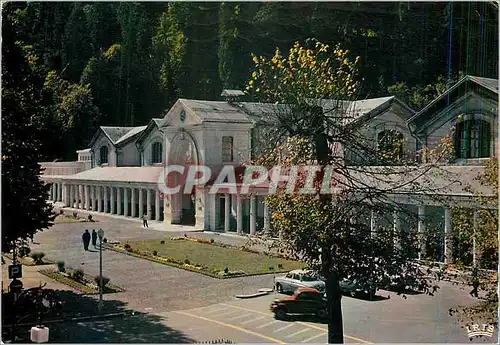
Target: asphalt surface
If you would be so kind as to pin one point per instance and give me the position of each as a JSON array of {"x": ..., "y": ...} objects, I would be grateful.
[{"x": 186, "y": 307}]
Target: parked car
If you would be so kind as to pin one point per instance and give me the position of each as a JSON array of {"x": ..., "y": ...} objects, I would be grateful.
[
  {"x": 304, "y": 301},
  {"x": 298, "y": 278},
  {"x": 353, "y": 288}
]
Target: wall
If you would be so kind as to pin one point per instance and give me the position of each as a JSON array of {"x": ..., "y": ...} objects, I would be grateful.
[
  {"x": 154, "y": 136},
  {"x": 64, "y": 168},
  {"x": 128, "y": 155},
  {"x": 103, "y": 140}
]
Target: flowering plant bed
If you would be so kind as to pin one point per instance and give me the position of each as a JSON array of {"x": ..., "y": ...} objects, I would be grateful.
[
  {"x": 205, "y": 257},
  {"x": 85, "y": 285}
]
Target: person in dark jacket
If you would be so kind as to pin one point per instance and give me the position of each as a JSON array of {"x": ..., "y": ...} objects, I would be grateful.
[
  {"x": 94, "y": 238},
  {"x": 86, "y": 239}
]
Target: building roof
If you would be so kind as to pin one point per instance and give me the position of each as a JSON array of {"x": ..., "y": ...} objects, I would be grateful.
[
  {"x": 154, "y": 123},
  {"x": 467, "y": 83},
  {"x": 119, "y": 174},
  {"x": 130, "y": 135},
  {"x": 115, "y": 133},
  {"x": 215, "y": 111}
]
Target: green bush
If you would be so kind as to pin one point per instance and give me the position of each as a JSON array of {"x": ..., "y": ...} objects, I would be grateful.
[
  {"x": 126, "y": 246},
  {"x": 155, "y": 252},
  {"x": 187, "y": 262},
  {"x": 24, "y": 251},
  {"x": 61, "y": 212},
  {"x": 38, "y": 258},
  {"x": 212, "y": 240},
  {"x": 105, "y": 280},
  {"x": 61, "y": 266},
  {"x": 75, "y": 214},
  {"x": 162, "y": 241},
  {"x": 280, "y": 266},
  {"x": 226, "y": 270},
  {"x": 78, "y": 274},
  {"x": 105, "y": 240}
]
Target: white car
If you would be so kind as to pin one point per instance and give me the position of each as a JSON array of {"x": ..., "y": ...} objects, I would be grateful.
[{"x": 298, "y": 278}]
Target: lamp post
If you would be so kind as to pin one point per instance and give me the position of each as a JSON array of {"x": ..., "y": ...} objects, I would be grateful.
[{"x": 100, "y": 233}]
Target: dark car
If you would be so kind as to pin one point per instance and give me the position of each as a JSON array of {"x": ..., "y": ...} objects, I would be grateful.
[{"x": 304, "y": 301}]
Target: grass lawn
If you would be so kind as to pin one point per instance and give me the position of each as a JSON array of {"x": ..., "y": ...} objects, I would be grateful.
[{"x": 216, "y": 258}]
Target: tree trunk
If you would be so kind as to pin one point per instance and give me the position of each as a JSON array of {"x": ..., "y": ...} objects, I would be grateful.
[{"x": 334, "y": 297}]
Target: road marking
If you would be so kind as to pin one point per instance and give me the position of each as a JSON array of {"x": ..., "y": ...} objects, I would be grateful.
[
  {"x": 299, "y": 322},
  {"x": 215, "y": 310},
  {"x": 233, "y": 327},
  {"x": 267, "y": 324},
  {"x": 227, "y": 313},
  {"x": 313, "y": 337},
  {"x": 241, "y": 316},
  {"x": 299, "y": 332},
  {"x": 283, "y": 328},
  {"x": 252, "y": 320}
]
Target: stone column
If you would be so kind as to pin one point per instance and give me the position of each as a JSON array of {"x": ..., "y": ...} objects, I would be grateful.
[
  {"x": 125, "y": 201},
  {"x": 80, "y": 196},
  {"x": 253, "y": 211},
  {"x": 95, "y": 191},
  {"x": 397, "y": 228},
  {"x": 119, "y": 201},
  {"x": 239, "y": 215},
  {"x": 113, "y": 199},
  {"x": 267, "y": 219},
  {"x": 148, "y": 202},
  {"x": 157, "y": 205},
  {"x": 212, "y": 210},
  {"x": 87, "y": 198},
  {"x": 60, "y": 192},
  {"x": 373, "y": 224},
  {"x": 226, "y": 211},
  {"x": 105, "y": 190},
  {"x": 421, "y": 232},
  {"x": 474, "y": 240},
  {"x": 71, "y": 195},
  {"x": 99, "y": 198},
  {"x": 141, "y": 203},
  {"x": 448, "y": 252},
  {"x": 132, "y": 206}
]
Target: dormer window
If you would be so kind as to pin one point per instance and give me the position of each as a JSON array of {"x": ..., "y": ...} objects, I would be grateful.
[
  {"x": 473, "y": 139},
  {"x": 156, "y": 153},
  {"x": 103, "y": 155},
  {"x": 227, "y": 149},
  {"x": 390, "y": 144}
]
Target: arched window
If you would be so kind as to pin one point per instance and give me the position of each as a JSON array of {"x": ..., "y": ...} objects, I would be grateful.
[
  {"x": 156, "y": 153},
  {"x": 103, "y": 155},
  {"x": 390, "y": 144},
  {"x": 227, "y": 149},
  {"x": 473, "y": 139}
]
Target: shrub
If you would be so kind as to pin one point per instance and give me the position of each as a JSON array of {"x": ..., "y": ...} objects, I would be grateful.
[
  {"x": 155, "y": 252},
  {"x": 61, "y": 212},
  {"x": 37, "y": 258},
  {"x": 78, "y": 274},
  {"x": 105, "y": 240},
  {"x": 24, "y": 251},
  {"x": 61, "y": 266},
  {"x": 280, "y": 266},
  {"x": 226, "y": 270},
  {"x": 105, "y": 280},
  {"x": 90, "y": 218},
  {"x": 162, "y": 241},
  {"x": 126, "y": 246},
  {"x": 212, "y": 240},
  {"x": 187, "y": 262},
  {"x": 75, "y": 214}
]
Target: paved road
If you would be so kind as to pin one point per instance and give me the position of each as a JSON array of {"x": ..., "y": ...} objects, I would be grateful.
[
  {"x": 185, "y": 306},
  {"x": 150, "y": 285}
]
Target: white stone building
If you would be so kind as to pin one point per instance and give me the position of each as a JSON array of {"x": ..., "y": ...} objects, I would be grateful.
[{"x": 119, "y": 172}]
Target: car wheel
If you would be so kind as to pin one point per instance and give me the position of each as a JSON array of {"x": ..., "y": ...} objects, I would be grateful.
[
  {"x": 280, "y": 314},
  {"x": 279, "y": 288},
  {"x": 322, "y": 313}
]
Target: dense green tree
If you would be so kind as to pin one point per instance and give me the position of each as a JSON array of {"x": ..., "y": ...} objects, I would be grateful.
[{"x": 24, "y": 195}]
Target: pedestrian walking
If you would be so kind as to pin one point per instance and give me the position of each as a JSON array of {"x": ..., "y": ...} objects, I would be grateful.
[
  {"x": 145, "y": 221},
  {"x": 94, "y": 238},
  {"x": 86, "y": 240},
  {"x": 475, "y": 283}
]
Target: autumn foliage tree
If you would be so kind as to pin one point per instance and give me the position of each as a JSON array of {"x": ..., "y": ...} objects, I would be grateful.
[{"x": 309, "y": 92}]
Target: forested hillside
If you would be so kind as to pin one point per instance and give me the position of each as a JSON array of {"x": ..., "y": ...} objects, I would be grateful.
[{"x": 123, "y": 63}]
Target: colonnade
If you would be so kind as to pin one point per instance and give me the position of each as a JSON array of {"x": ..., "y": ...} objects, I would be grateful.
[{"x": 126, "y": 201}]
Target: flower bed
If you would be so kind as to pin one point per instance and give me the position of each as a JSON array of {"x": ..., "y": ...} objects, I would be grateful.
[
  {"x": 85, "y": 285},
  {"x": 27, "y": 261},
  {"x": 207, "y": 257}
]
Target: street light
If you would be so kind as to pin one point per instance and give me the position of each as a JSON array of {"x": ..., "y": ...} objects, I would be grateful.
[{"x": 100, "y": 233}]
